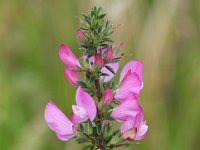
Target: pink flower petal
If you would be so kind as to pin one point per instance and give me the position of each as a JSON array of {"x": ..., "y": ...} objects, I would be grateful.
[
  {"x": 108, "y": 96},
  {"x": 127, "y": 125},
  {"x": 141, "y": 131},
  {"x": 130, "y": 85},
  {"x": 126, "y": 110},
  {"x": 67, "y": 57},
  {"x": 71, "y": 76},
  {"x": 133, "y": 121},
  {"x": 134, "y": 66},
  {"x": 84, "y": 100},
  {"x": 64, "y": 137},
  {"x": 114, "y": 66},
  {"x": 57, "y": 121}
]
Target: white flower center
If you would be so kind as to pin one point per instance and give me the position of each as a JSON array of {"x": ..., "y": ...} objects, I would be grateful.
[{"x": 80, "y": 111}]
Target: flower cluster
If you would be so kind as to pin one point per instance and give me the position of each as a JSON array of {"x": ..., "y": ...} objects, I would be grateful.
[{"x": 106, "y": 115}]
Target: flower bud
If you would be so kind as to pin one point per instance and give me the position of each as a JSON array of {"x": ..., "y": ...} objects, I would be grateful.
[
  {"x": 108, "y": 96},
  {"x": 109, "y": 54},
  {"x": 105, "y": 122},
  {"x": 71, "y": 76},
  {"x": 79, "y": 34},
  {"x": 120, "y": 46},
  {"x": 99, "y": 61}
]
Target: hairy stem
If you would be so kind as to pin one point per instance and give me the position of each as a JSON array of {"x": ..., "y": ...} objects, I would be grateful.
[{"x": 97, "y": 84}]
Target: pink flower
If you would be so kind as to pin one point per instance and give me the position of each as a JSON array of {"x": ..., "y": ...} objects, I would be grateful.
[
  {"x": 79, "y": 34},
  {"x": 108, "y": 96},
  {"x": 71, "y": 76},
  {"x": 134, "y": 66},
  {"x": 131, "y": 116},
  {"x": 134, "y": 128},
  {"x": 58, "y": 122},
  {"x": 109, "y": 54},
  {"x": 136, "y": 133},
  {"x": 67, "y": 57},
  {"x": 99, "y": 61},
  {"x": 130, "y": 85},
  {"x": 85, "y": 107}
]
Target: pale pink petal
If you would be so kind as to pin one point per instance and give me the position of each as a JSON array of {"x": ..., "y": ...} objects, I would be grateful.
[
  {"x": 67, "y": 57},
  {"x": 126, "y": 110},
  {"x": 83, "y": 99},
  {"x": 71, "y": 76},
  {"x": 57, "y": 121},
  {"x": 134, "y": 66},
  {"x": 133, "y": 121},
  {"x": 130, "y": 85},
  {"x": 108, "y": 96},
  {"x": 141, "y": 131},
  {"x": 114, "y": 66},
  {"x": 79, "y": 114},
  {"x": 127, "y": 125}
]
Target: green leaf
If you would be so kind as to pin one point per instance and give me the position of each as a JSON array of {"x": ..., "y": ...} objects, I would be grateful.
[
  {"x": 102, "y": 16},
  {"x": 88, "y": 147},
  {"x": 81, "y": 140},
  {"x": 82, "y": 84}
]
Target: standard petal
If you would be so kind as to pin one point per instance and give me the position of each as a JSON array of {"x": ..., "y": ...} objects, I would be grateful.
[
  {"x": 141, "y": 131},
  {"x": 134, "y": 66},
  {"x": 130, "y": 85},
  {"x": 83, "y": 99},
  {"x": 114, "y": 66},
  {"x": 57, "y": 121},
  {"x": 67, "y": 57},
  {"x": 126, "y": 110},
  {"x": 71, "y": 76}
]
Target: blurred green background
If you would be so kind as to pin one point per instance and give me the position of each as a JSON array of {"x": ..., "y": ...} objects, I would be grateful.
[{"x": 165, "y": 35}]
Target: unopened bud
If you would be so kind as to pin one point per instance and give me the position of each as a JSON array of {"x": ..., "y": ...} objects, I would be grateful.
[
  {"x": 109, "y": 54},
  {"x": 108, "y": 96},
  {"x": 99, "y": 61},
  {"x": 79, "y": 34}
]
